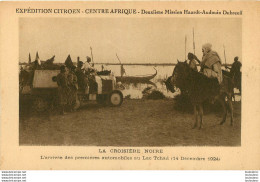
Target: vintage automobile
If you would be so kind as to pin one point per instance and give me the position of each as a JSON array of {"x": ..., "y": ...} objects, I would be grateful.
[{"x": 44, "y": 91}]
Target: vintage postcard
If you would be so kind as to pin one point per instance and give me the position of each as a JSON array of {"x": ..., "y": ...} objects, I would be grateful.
[{"x": 129, "y": 85}]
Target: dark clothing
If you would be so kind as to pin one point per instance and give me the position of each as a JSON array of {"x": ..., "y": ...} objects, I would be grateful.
[
  {"x": 193, "y": 65},
  {"x": 236, "y": 74},
  {"x": 63, "y": 88},
  {"x": 235, "y": 68},
  {"x": 72, "y": 81},
  {"x": 73, "y": 88},
  {"x": 82, "y": 81}
]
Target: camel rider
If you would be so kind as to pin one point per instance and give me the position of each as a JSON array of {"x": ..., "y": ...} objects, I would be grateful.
[
  {"x": 192, "y": 62},
  {"x": 211, "y": 63}
]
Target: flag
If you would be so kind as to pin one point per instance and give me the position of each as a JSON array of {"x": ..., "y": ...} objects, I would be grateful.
[
  {"x": 50, "y": 61},
  {"x": 68, "y": 62},
  {"x": 37, "y": 59}
]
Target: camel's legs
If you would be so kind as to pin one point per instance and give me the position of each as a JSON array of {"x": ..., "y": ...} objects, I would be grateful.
[
  {"x": 223, "y": 103},
  {"x": 196, "y": 116},
  {"x": 201, "y": 115},
  {"x": 230, "y": 105}
]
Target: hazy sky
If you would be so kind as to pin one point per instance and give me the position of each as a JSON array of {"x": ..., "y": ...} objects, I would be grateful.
[{"x": 135, "y": 40}]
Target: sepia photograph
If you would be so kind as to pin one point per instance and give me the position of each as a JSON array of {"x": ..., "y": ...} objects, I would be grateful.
[
  {"x": 130, "y": 82},
  {"x": 129, "y": 86}
]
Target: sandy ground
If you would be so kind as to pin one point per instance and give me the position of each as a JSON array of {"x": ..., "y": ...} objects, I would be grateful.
[{"x": 134, "y": 123}]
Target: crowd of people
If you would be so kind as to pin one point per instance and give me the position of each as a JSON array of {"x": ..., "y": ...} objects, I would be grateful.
[{"x": 71, "y": 79}]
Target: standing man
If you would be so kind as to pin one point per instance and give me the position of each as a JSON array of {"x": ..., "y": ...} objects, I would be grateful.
[
  {"x": 90, "y": 72},
  {"x": 236, "y": 66},
  {"x": 211, "y": 63},
  {"x": 122, "y": 71},
  {"x": 236, "y": 73},
  {"x": 82, "y": 80},
  {"x": 73, "y": 88},
  {"x": 63, "y": 89},
  {"x": 88, "y": 67}
]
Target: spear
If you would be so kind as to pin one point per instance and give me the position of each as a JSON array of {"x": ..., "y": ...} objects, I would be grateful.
[
  {"x": 185, "y": 47},
  {"x": 225, "y": 55},
  {"x": 92, "y": 55},
  {"x": 118, "y": 58},
  {"x": 193, "y": 42},
  {"x": 30, "y": 58}
]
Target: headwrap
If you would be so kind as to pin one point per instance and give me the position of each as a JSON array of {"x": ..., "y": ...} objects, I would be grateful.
[
  {"x": 88, "y": 59},
  {"x": 207, "y": 47}
]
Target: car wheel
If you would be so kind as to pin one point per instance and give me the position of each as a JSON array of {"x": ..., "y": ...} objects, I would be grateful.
[
  {"x": 115, "y": 98},
  {"x": 40, "y": 104}
]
